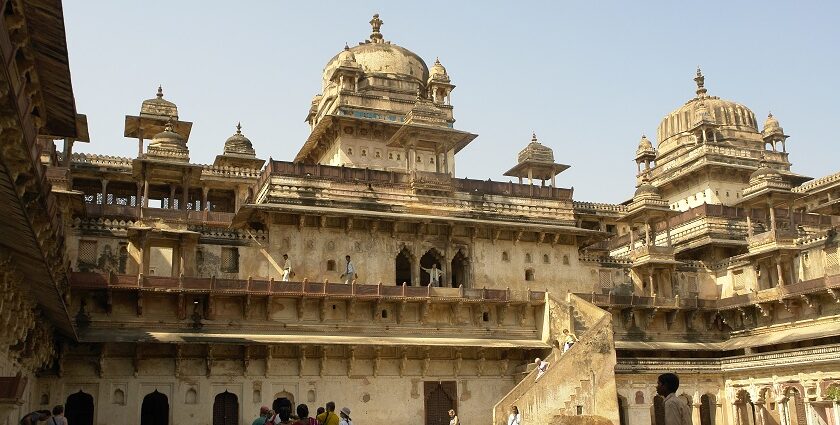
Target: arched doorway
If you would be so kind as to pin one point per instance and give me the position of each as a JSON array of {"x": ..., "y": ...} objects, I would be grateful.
[
  {"x": 622, "y": 411},
  {"x": 226, "y": 409},
  {"x": 707, "y": 409},
  {"x": 745, "y": 408},
  {"x": 439, "y": 397},
  {"x": 283, "y": 400},
  {"x": 794, "y": 407},
  {"x": 431, "y": 258},
  {"x": 155, "y": 409},
  {"x": 403, "y": 267},
  {"x": 79, "y": 408},
  {"x": 460, "y": 270}
]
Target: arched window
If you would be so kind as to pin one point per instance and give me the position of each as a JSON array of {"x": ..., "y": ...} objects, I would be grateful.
[
  {"x": 191, "y": 397},
  {"x": 349, "y": 151},
  {"x": 505, "y": 256},
  {"x": 330, "y": 265},
  {"x": 528, "y": 258},
  {"x": 546, "y": 259},
  {"x": 565, "y": 259},
  {"x": 118, "y": 397},
  {"x": 529, "y": 275},
  {"x": 707, "y": 409},
  {"x": 640, "y": 397}
]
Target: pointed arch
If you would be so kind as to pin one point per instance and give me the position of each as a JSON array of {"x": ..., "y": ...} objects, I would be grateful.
[
  {"x": 79, "y": 408},
  {"x": 431, "y": 258},
  {"x": 403, "y": 267},
  {"x": 155, "y": 409},
  {"x": 459, "y": 270}
]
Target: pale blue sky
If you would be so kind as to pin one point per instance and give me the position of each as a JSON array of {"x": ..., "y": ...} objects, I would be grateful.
[{"x": 588, "y": 77}]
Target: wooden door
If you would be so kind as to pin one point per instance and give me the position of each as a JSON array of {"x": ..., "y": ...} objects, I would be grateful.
[
  {"x": 226, "y": 409},
  {"x": 440, "y": 397}
]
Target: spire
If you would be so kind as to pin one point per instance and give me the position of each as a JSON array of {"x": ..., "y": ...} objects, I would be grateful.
[
  {"x": 160, "y": 92},
  {"x": 534, "y": 137},
  {"x": 700, "y": 80},
  {"x": 437, "y": 60},
  {"x": 375, "y": 24},
  {"x": 239, "y": 127},
  {"x": 346, "y": 47}
]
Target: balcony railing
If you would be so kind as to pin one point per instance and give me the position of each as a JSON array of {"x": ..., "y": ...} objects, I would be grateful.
[
  {"x": 130, "y": 212},
  {"x": 92, "y": 280},
  {"x": 777, "y": 237}
]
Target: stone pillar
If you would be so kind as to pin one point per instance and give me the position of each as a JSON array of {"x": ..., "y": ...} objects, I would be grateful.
[
  {"x": 446, "y": 162},
  {"x": 835, "y": 409},
  {"x": 779, "y": 270},
  {"x": 749, "y": 223},
  {"x": 651, "y": 283},
  {"x": 185, "y": 196},
  {"x": 647, "y": 233},
  {"x": 138, "y": 197},
  {"x": 437, "y": 162},
  {"x": 632, "y": 242},
  {"x": 104, "y": 191},
  {"x": 718, "y": 414},
  {"x": 204, "y": 206},
  {"x": 695, "y": 414},
  {"x": 145, "y": 192},
  {"x": 171, "y": 196},
  {"x": 68, "y": 151},
  {"x": 772, "y": 216},
  {"x": 530, "y": 177},
  {"x": 412, "y": 159},
  {"x": 783, "y": 411},
  {"x": 668, "y": 230},
  {"x": 140, "y": 142},
  {"x": 236, "y": 199},
  {"x": 553, "y": 179},
  {"x": 736, "y": 414}
]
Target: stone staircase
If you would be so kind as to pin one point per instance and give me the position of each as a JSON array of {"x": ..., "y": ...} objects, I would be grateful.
[{"x": 580, "y": 382}]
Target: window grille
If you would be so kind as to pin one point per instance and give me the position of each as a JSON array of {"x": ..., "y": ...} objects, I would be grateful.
[
  {"x": 87, "y": 252},
  {"x": 230, "y": 260}
]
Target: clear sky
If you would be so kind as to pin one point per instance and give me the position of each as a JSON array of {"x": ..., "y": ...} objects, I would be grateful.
[{"x": 589, "y": 77}]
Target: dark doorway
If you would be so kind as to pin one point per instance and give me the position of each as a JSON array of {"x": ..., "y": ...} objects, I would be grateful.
[
  {"x": 282, "y": 403},
  {"x": 403, "y": 267},
  {"x": 431, "y": 258},
  {"x": 226, "y": 409},
  {"x": 707, "y": 409},
  {"x": 459, "y": 270},
  {"x": 622, "y": 411},
  {"x": 439, "y": 398},
  {"x": 155, "y": 409},
  {"x": 79, "y": 409}
]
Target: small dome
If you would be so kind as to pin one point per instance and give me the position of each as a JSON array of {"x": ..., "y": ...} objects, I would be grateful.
[
  {"x": 536, "y": 152},
  {"x": 168, "y": 135},
  {"x": 438, "y": 71},
  {"x": 764, "y": 172},
  {"x": 771, "y": 126},
  {"x": 724, "y": 113},
  {"x": 646, "y": 189},
  {"x": 238, "y": 144},
  {"x": 377, "y": 56},
  {"x": 645, "y": 146},
  {"x": 159, "y": 107},
  {"x": 346, "y": 55}
]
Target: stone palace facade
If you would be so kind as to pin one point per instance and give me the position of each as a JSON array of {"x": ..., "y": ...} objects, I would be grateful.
[{"x": 152, "y": 289}]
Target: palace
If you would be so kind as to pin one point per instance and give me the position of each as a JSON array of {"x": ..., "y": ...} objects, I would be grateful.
[{"x": 154, "y": 289}]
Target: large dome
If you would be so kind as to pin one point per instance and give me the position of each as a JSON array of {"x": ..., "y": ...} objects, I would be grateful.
[
  {"x": 722, "y": 112},
  {"x": 377, "y": 56}
]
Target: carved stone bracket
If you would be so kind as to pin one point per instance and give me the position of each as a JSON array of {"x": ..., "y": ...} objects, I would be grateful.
[
  {"x": 301, "y": 307},
  {"x": 454, "y": 317},
  {"x": 425, "y": 310},
  {"x": 322, "y": 310},
  {"x": 301, "y": 360},
  {"x": 810, "y": 301},
  {"x": 690, "y": 315},
  {"x": 179, "y": 359},
  {"x": 351, "y": 359},
  {"x": 135, "y": 361},
  {"x": 139, "y": 303},
  {"x": 648, "y": 315},
  {"x": 350, "y": 309},
  {"x": 523, "y": 314},
  {"x": 401, "y": 307},
  {"x": 482, "y": 361},
  {"x": 208, "y": 361},
  {"x": 627, "y": 318},
  {"x": 322, "y": 362},
  {"x": 788, "y": 304},
  {"x": 403, "y": 360},
  {"x": 517, "y": 237},
  {"x": 377, "y": 358},
  {"x": 764, "y": 309},
  {"x": 246, "y": 359},
  {"x": 834, "y": 294},
  {"x": 456, "y": 364},
  {"x": 246, "y": 307},
  {"x": 501, "y": 312},
  {"x": 268, "y": 357},
  {"x": 711, "y": 317},
  {"x": 670, "y": 317},
  {"x": 427, "y": 362}
]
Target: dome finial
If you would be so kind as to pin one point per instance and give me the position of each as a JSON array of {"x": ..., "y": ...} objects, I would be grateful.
[
  {"x": 700, "y": 80},
  {"x": 376, "y": 24},
  {"x": 160, "y": 92},
  {"x": 239, "y": 127},
  {"x": 169, "y": 123},
  {"x": 534, "y": 136}
]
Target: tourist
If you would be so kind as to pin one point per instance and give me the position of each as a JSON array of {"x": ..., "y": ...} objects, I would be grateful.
[
  {"x": 287, "y": 268},
  {"x": 349, "y": 274},
  {"x": 677, "y": 411},
  {"x": 282, "y": 417},
  {"x": 434, "y": 274},
  {"x": 319, "y": 411},
  {"x": 57, "y": 417},
  {"x": 515, "y": 418},
  {"x": 264, "y": 415},
  {"x": 303, "y": 417},
  {"x": 569, "y": 339},
  {"x": 453, "y": 418},
  {"x": 33, "y": 418},
  {"x": 542, "y": 366},
  {"x": 329, "y": 417},
  {"x": 345, "y": 416}
]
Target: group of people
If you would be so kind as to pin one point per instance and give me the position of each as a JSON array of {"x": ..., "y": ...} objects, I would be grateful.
[
  {"x": 324, "y": 416},
  {"x": 56, "y": 417},
  {"x": 349, "y": 274},
  {"x": 569, "y": 339}
]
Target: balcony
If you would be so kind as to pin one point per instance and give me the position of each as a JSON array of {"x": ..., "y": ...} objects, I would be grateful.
[
  {"x": 652, "y": 254},
  {"x": 130, "y": 212},
  {"x": 772, "y": 240}
]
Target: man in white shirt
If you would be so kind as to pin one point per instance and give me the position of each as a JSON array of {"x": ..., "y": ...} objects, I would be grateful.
[
  {"x": 349, "y": 271},
  {"x": 677, "y": 411},
  {"x": 287, "y": 268},
  {"x": 434, "y": 274}
]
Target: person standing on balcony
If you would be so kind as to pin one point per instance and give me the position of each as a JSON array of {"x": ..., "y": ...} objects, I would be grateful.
[
  {"x": 453, "y": 418},
  {"x": 542, "y": 366},
  {"x": 349, "y": 271},
  {"x": 515, "y": 417},
  {"x": 434, "y": 274},
  {"x": 287, "y": 268},
  {"x": 569, "y": 339},
  {"x": 677, "y": 411}
]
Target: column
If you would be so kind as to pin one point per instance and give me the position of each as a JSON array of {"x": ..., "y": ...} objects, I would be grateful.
[
  {"x": 412, "y": 159},
  {"x": 772, "y": 216},
  {"x": 632, "y": 242},
  {"x": 145, "y": 192},
  {"x": 104, "y": 191},
  {"x": 530, "y": 177},
  {"x": 68, "y": 151},
  {"x": 651, "y": 288},
  {"x": 185, "y": 196},
  {"x": 236, "y": 199},
  {"x": 736, "y": 416},
  {"x": 446, "y": 162},
  {"x": 553, "y": 179},
  {"x": 437, "y": 161},
  {"x": 340, "y": 83},
  {"x": 809, "y": 414},
  {"x": 204, "y": 206},
  {"x": 138, "y": 197},
  {"x": 647, "y": 233},
  {"x": 779, "y": 270},
  {"x": 835, "y": 409},
  {"x": 668, "y": 230},
  {"x": 695, "y": 414},
  {"x": 520, "y": 179},
  {"x": 140, "y": 143},
  {"x": 749, "y": 223},
  {"x": 171, "y": 196}
]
